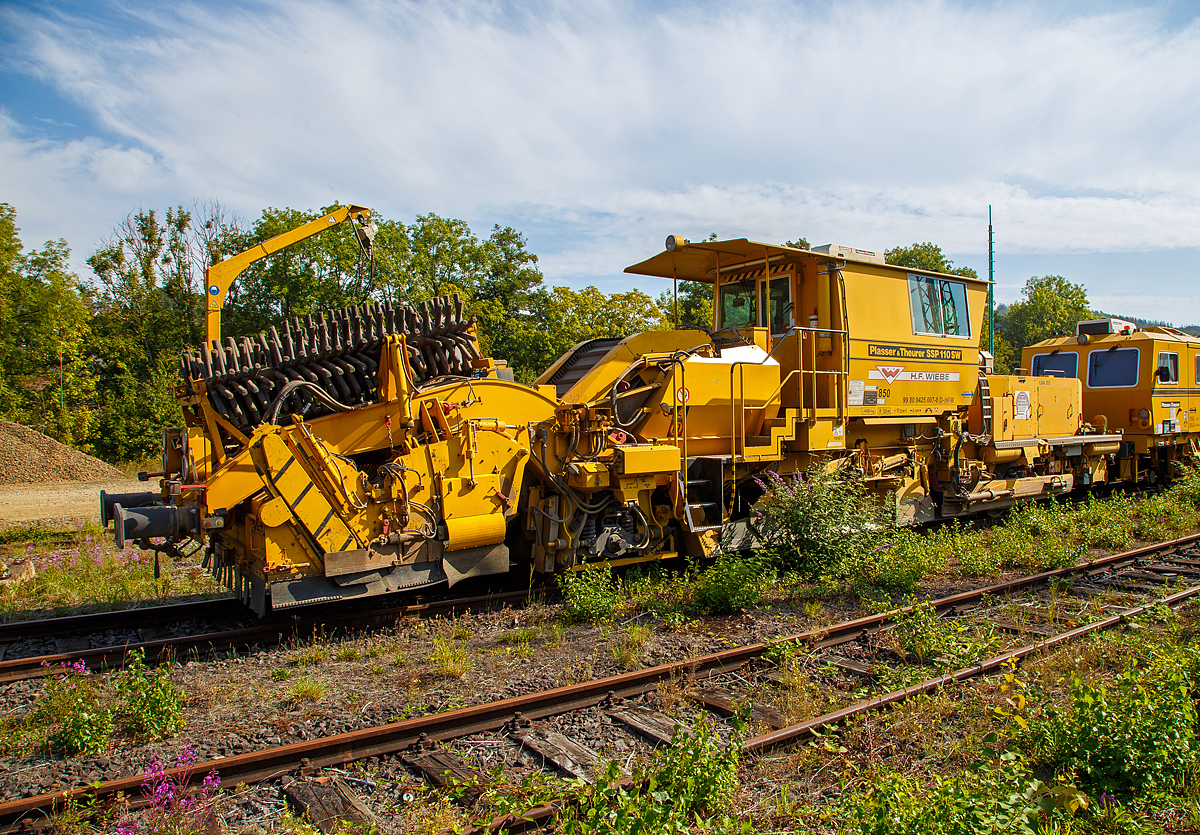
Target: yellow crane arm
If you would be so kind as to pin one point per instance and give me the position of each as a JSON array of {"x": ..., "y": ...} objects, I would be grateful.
[{"x": 221, "y": 275}]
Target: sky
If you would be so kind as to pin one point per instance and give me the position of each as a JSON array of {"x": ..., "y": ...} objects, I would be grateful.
[{"x": 598, "y": 127}]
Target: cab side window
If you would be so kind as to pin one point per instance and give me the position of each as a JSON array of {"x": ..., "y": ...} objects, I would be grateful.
[
  {"x": 1113, "y": 368},
  {"x": 938, "y": 306},
  {"x": 1058, "y": 364},
  {"x": 1168, "y": 367}
]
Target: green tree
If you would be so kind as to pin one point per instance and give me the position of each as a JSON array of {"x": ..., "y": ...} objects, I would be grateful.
[
  {"x": 322, "y": 272},
  {"x": 926, "y": 256},
  {"x": 44, "y": 378},
  {"x": 1048, "y": 306},
  {"x": 560, "y": 317},
  {"x": 695, "y": 306},
  {"x": 149, "y": 305}
]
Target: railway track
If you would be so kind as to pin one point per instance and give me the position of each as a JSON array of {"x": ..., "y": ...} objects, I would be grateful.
[
  {"x": 100, "y": 659},
  {"x": 223, "y": 608},
  {"x": 719, "y": 682}
]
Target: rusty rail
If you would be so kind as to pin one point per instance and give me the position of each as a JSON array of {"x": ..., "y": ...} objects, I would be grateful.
[
  {"x": 264, "y": 634},
  {"x": 223, "y": 607}
]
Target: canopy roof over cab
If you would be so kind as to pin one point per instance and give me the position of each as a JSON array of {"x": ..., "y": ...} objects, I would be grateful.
[{"x": 703, "y": 261}]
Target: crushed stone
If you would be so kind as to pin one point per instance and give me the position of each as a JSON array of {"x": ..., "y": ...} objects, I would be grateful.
[{"x": 29, "y": 457}]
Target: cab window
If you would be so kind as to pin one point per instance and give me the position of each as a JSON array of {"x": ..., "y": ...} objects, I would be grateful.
[
  {"x": 1168, "y": 367},
  {"x": 1057, "y": 364},
  {"x": 1113, "y": 368},
  {"x": 777, "y": 304},
  {"x": 737, "y": 304},
  {"x": 1198, "y": 369},
  {"x": 938, "y": 306}
]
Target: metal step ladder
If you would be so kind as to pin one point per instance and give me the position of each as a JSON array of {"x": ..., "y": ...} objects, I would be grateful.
[
  {"x": 985, "y": 406},
  {"x": 703, "y": 492}
]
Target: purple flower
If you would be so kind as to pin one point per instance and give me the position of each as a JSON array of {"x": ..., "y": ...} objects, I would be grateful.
[{"x": 212, "y": 782}]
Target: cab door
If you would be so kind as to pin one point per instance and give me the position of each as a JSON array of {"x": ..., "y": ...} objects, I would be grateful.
[{"x": 775, "y": 304}]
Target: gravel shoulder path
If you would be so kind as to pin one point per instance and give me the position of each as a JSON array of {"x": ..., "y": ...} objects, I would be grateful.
[{"x": 58, "y": 503}]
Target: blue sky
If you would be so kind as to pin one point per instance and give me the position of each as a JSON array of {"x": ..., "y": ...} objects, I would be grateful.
[{"x": 597, "y": 128}]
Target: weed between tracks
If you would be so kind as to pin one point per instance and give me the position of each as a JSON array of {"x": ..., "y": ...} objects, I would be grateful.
[{"x": 79, "y": 713}]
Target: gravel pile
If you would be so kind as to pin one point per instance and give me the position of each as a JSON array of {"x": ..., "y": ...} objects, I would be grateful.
[{"x": 29, "y": 457}]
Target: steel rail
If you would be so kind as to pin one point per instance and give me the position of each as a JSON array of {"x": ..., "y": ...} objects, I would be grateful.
[
  {"x": 222, "y": 607},
  {"x": 759, "y": 744},
  {"x": 106, "y": 658},
  {"x": 392, "y": 738}
]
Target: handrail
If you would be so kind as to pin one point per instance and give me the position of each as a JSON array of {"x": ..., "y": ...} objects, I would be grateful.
[
  {"x": 679, "y": 424},
  {"x": 732, "y": 403},
  {"x": 737, "y": 396}
]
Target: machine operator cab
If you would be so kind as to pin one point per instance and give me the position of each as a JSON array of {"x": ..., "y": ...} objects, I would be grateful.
[
  {"x": 854, "y": 338},
  {"x": 749, "y": 302},
  {"x": 1141, "y": 381},
  {"x": 758, "y": 298}
]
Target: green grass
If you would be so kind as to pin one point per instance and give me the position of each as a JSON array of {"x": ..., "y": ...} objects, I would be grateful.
[
  {"x": 22, "y": 534},
  {"x": 81, "y": 570},
  {"x": 523, "y": 635},
  {"x": 449, "y": 659},
  {"x": 305, "y": 689},
  {"x": 309, "y": 655}
]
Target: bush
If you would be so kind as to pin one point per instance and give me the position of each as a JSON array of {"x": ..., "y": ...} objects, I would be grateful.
[
  {"x": 733, "y": 584},
  {"x": 1126, "y": 739},
  {"x": 591, "y": 595},
  {"x": 813, "y": 524},
  {"x": 692, "y": 778},
  {"x": 67, "y": 716},
  {"x": 699, "y": 769},
  {"x": 86, "y": 728},
  {"x": 1109, "y": 523},
  {"x": 668, "y": 595},
  {"x": 896, "y": 565},
  {"x": 173, "y": 807},
  {"x": 925, "y": 635},
  {"x": 995, "y": 797},
  {"x": 153, "y": 706}
]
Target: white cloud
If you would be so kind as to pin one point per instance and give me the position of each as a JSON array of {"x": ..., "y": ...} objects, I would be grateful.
[{"x": 605, "y": 125}]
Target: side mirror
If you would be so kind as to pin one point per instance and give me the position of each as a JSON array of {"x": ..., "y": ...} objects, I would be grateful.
[{"x": 1164, "y": 374}]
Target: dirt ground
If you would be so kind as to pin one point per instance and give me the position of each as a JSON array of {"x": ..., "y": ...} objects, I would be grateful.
[{"x": 58, "y": 503}]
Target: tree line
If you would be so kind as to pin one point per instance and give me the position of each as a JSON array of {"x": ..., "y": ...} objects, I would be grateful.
[{"x": 94, "y": 362}]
